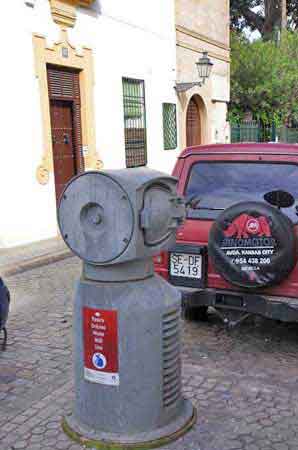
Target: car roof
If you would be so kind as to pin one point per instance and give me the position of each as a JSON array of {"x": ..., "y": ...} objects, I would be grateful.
[{"x": 269, "y": 148}]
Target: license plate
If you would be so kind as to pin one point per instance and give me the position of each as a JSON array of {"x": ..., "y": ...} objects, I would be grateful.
[{"x": 186, "y": 265}]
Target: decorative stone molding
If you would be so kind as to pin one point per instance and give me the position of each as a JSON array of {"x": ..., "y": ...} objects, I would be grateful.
[
  {"x": 82, "y": 61},
  {"x": 85, "y": 3},
  {"x": 64, "y": 14},
  {"x": 64, "y": 11},
  {"x": 201, "y": 50},
  {"x": 201, "y": 37},
  {"x": 42, "y": 174}
]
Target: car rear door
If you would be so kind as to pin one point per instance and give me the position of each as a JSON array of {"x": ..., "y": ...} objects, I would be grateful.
[{"x": 195, "y": 232}]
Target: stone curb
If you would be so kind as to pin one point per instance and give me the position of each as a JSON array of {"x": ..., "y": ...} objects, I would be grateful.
[{"x": 33, "y": 263}]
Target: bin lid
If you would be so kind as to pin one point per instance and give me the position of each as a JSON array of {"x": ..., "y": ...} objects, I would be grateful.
[{"x": 96, "y": 217}]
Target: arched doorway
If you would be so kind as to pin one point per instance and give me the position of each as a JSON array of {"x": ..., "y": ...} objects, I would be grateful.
[{"x": 193, "y": 123}]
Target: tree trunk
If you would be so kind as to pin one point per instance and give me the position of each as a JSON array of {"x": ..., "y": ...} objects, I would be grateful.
[
  {"x": 273, "y": 17},
  {"x": 284, "y": 16}
]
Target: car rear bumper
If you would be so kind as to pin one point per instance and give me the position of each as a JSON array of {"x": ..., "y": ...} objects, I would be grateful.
[{"x": 277, "y": 308}]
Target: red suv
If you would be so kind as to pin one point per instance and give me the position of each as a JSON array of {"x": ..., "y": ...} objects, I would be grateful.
[{"x": 238, "y": 246}]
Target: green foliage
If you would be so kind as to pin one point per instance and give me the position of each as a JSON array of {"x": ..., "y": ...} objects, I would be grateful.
[
  {"x": 242, "y": 15},
  {"x": 264, "y": 79},
  {"x": 263, "y": 15},
  {"x": 292, "y": 9}
]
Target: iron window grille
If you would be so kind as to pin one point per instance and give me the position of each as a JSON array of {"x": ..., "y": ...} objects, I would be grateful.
[
  {"x": 134, "y": 122},
  {"x": 169, "y": 126}
]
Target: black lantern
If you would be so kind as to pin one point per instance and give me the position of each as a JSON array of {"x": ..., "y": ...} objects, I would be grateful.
[{"x": 204, "y": 67}]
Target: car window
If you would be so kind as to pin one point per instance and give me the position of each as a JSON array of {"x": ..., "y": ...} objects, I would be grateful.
[{"x": 218, "y": 185}]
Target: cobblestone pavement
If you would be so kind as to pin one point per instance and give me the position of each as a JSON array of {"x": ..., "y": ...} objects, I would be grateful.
[
  {"x": 23, "y": 253},
  {"x": 244, "y": 383}
]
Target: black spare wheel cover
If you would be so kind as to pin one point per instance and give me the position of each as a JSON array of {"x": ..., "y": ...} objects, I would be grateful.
[{"x": 253, "y": 245}]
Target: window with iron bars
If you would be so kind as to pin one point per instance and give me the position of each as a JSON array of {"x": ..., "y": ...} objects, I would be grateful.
[
  {"x": 134, "y": 122},
  {"x": 169, "y": 126}
]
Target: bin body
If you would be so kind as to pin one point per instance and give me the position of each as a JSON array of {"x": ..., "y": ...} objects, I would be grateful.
[{"x": 147, "y": 395}]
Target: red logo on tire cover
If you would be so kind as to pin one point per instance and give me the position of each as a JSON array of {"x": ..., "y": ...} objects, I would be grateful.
[
  {"x": 253, "y": 226},
  {"x": 244, "y": 225}
]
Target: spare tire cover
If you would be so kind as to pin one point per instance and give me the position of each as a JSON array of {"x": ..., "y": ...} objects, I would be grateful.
[{"x": 253, "y": 245}]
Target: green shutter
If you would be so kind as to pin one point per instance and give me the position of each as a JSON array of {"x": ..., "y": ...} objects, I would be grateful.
[
  {"x": 169, "y": 126},
  {"x": 132, "y": 92},
  {"x": 134, "y": 122}
]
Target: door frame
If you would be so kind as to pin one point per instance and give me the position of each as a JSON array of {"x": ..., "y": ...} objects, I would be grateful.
[
  {"x": 193, "y": 101},
  {"x": 63, "y": 54},
  {"x": 206, "y": 108}
]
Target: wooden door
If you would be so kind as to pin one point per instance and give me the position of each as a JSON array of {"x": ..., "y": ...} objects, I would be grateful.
[
  {"x": 64, "y": 154},
  {"x": 65, "y": 111},
  {"x": 193, "y": 124}
]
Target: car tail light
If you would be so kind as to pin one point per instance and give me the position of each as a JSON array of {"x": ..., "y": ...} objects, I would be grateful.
[
  {"x": 161, "y": 265},
  {"x": 159, "y": 259}
]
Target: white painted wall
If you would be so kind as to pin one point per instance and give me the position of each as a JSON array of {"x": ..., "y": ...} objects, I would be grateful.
[
  {"x": 221, "y": 97},
  {"x": 135, "y": 38},
  {"x": 27, "y": 209}
]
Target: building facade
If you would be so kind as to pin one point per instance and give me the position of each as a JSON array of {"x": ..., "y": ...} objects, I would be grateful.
[
  {"x": 89, "y": 84},
  {"x": 203, "y": 25}
]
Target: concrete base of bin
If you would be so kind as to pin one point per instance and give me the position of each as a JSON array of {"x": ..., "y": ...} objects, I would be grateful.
[{"x": 113, "y": 441}]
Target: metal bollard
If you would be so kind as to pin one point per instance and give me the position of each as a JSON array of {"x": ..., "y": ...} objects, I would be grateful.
[{"x": 126, "y": 329}]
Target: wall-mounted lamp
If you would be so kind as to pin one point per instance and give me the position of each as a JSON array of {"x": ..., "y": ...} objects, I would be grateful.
[
  {"x": 204, "y": 67},
  {"x": 30, "y": 3}
]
